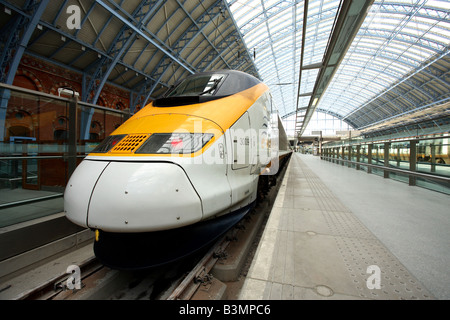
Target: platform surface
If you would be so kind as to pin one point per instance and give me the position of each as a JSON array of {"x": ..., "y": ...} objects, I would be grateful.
[{"x": 338, "y": 233}]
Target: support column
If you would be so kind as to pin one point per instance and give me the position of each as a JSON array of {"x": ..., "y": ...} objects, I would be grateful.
[
  {"x": 386, "y": 158},
  {"x": 358, "y": 156},
  {"x": 73, "y": 126},
  {"x": 5, "y": 95},
  {"x": 412, "y": 161},
  {"x": 350, "y": 155},
  {"x": 433, "y": 157},
  {"x": 337, "y": 155},
  {"x": 369, "y": 157},
  {"x": 320, "y": 144}
]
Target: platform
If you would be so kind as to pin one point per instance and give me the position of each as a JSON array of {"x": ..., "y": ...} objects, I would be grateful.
[{"x": 329, "y": 223}]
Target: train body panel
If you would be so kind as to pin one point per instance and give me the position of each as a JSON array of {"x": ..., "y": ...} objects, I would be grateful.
[
  {"x": 160, "y": 195},
  {"x": 79, "y": 190}
]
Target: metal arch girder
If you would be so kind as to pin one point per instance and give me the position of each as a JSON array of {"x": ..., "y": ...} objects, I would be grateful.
[
  {"x": 76, "y": 40},
  {"x": 206, "y": 14},
  {"x": 366, "y": 126},
  {"x": 213, "y": 7},
  {"x": 156, "y": 52},
  {"x": 382, "y": 109},
  {"x": 115, "y": 53},
  {"x": 142, "y": 96},
  {"x": 397, "y": 91},
  {"x": 252, "y": 26},
  {"x": 160, "y": 47},
  {"x": 228, "y": 44},
  {"x": 211, "y": 54},
  {"x": 10, "y": 37},
  {"x": 195, "y": 29},
  {"x": 351, "y": 124},
  {"x": 239, "y": 35},
  {"x": 405, "y": 80},
  {"x": 277, "y": 37},
  {"x": 168, "y": 37},
  {"x": 200, "y": 25},
  {"x": 441, "y": 13},
  {"x": 19, "y": 46},
  {"x": 60, "y": 11},
  {"x": 360, "y": 115},
  {"x": 85, "y": 19},
  {"x": 332, "y": 113},
  {"x": 58, "y": 14},
  {"x": 422, "y": 42},
  {"x": 118, "y": 47},
  {"x": 388, "y": 55},
  {"x": 411, "y": 81}
]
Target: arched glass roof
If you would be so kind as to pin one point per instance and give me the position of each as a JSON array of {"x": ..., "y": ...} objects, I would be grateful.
[
  {"x": 363, "y": 61},
  {"x": 397, "y": 63}
]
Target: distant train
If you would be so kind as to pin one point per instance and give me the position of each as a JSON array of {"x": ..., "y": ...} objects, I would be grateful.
[
  {"x": 180, "y": 172},
  {"x": 424, "y": 152}
]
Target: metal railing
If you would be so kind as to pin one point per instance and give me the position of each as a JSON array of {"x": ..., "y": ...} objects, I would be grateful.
[{"x": 437, "y": 178}]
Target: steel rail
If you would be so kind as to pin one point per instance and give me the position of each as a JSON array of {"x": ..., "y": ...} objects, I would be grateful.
[
  {"x": 52, "y": 287},
  {"x": 187, "y": 288}
]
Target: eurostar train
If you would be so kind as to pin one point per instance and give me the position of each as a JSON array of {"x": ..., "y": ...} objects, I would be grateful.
[{"x": 180, "y": 172}]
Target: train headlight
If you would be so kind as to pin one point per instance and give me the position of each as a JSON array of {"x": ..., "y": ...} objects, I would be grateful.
[
  {"x": 109, "y": 143},
  {"x": 175, "y": 143}
]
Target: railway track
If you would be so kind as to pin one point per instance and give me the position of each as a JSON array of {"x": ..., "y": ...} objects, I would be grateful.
[{"x": 181, "y": 281}]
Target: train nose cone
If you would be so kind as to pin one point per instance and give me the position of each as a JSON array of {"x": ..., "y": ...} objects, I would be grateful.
[
  {"x": 141, "y": 197},
  {"x": 79, "y": 189}
]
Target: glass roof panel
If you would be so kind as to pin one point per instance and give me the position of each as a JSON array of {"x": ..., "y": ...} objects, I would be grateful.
[{"x": 395, "y": 41}]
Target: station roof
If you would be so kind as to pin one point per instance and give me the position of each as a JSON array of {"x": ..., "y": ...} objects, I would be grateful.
[
  {"x": 142, "y": 46},
  {"x": 397, "y": 63},
  {"x": 363, "y": 61}
]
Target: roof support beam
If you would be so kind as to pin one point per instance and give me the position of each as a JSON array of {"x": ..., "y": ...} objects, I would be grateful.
[
  {"x": 302, "y": 53},
  {"x": 143, "y": 35},
  {"x": 20, "y": 45},
  {"x": 120, "y": 44},
  {"x": 312, "y": 66},
  {"x": 117, "y": 49},
  {"x": 404, "y": 80}
]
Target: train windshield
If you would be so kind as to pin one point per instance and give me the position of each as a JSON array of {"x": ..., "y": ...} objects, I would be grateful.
[{"x": 202, "y": 85}]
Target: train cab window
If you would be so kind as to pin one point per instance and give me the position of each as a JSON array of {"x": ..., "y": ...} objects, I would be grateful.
[{"x": 203, "y": 85}]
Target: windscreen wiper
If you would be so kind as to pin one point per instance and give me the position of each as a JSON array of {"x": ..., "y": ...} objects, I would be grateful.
[{"x": 216, "y": 83}]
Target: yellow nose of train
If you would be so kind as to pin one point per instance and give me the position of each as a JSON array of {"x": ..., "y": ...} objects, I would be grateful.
[{"x": 160, "y": 134}]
